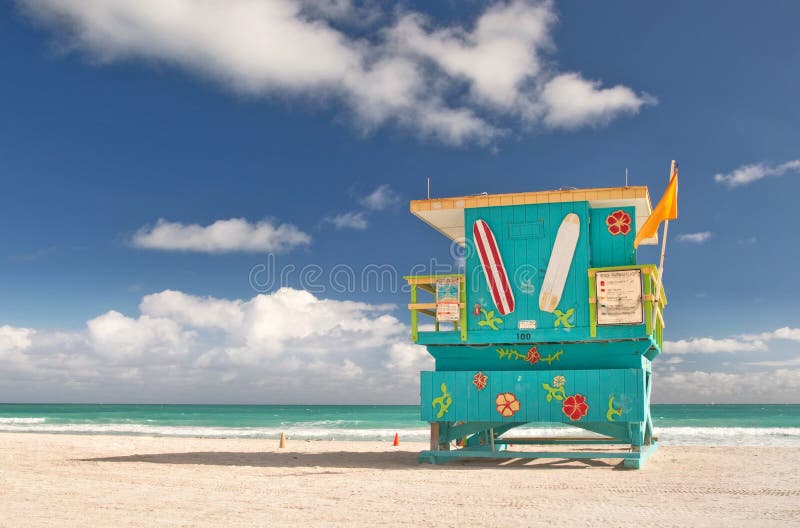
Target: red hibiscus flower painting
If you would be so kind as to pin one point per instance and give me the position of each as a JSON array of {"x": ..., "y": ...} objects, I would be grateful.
[
  {"x": 619, "y": 223},
  {"x": 533, "y": 356},
  {"x": 479, "y": 380},
  {"x": 575, "y": 407}
]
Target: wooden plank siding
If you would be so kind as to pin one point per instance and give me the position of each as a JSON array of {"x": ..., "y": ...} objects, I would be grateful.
[
  {"x": 469, "y": 404},
  {"x": 610, "y": 250},
  {"x": 526, "y": 253}
]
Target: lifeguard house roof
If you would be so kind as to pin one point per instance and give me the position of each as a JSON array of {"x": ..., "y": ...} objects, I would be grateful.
[{"x": 446, "y": 215}]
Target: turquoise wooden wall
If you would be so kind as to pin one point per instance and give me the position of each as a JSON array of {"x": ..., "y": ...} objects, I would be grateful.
[
  {"x": 525, "y": 235},
  {"x": 469, "y": 404},
  {"x": 609, "y": 370},
  {"x": 607, "y": 249},
  {"x": 513, "y": 357}
]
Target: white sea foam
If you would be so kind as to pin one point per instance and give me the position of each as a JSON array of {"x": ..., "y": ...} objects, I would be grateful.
[
  {"x": 730, "y": 436},
  {"x": 725, "y": 436},
  {"x": 4, "y": 421},
  {"x": 307, "y": 433}
]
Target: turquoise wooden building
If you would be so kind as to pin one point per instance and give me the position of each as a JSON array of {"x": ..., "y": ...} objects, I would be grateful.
[{"x": 553, "y": 321}]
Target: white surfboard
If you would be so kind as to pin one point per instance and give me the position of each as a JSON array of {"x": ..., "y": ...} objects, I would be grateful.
[{"x": 560, "y": 261}]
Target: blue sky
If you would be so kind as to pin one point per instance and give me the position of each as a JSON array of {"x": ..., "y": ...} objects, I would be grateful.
[{"x": 116, "y": 115}]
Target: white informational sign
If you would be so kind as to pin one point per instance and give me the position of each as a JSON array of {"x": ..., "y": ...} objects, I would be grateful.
[
  {"x": 619, "y": 297},
  {"x": 527, "y": 324},
  {"x": 447, "y": 299}
]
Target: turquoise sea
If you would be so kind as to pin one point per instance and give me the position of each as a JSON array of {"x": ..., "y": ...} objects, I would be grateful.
[{"x": 756, "y": 425}]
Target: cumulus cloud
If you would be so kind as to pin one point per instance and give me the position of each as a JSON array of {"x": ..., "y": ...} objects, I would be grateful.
[
  {"x": 747, "y": 174},
  {"x": 288, "y": 346},
  {"x": 792, "y": 362},
  {"x": 223, "y": 236},
  {"x": 349, "y": 220},
  {"x": 786, "y": 333},
  {"x": 12, "y": 338},
  {"x": 709, "y": 345},
  {"x": 124, "y": 339},
  {"x": 695, "y": 238},
  {"x": 570, "y": 101},
  {"x": 14, "y": 341},
  {"x": 495, "y": 58},
  {"x": 738, "y": 343},
  {"x": 455, "y": 83},
  {"x": 774, "y": 386},
  {"x": 383, "y": 197}
]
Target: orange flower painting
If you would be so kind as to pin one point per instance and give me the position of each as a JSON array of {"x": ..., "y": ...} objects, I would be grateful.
[
  {"x": 507, "y": 404},
  {"x": 533, "y": 356},
  {"x": 479, "y": 380}
]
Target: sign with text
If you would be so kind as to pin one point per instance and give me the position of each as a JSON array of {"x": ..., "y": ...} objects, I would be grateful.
[
  {"x": 447, "y": 299},
  {"x": 619, "y": 297}
]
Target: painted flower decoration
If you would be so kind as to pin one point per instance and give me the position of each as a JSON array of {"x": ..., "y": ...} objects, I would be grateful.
[
  {"x": 619, "y": 223},
  {"x": 575, "y": 407},
  {"x": 507, "y": 404},
  {"x": 479, "y": 380},
  {"x": 559, "y": 381},
  {"x": 476, "y": 310},
  {"x": 533, "y": 356}
]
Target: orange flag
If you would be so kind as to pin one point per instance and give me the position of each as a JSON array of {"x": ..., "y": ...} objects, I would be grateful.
[{"x": 667, "y": 209}]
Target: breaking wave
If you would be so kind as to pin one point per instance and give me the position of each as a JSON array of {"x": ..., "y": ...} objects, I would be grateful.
[{"x": 342, "y": 430}]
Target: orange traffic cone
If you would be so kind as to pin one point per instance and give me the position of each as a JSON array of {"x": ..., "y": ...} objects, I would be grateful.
[{"x": 396, "y": 440}]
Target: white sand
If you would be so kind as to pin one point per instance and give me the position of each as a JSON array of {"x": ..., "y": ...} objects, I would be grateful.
[{"x": 70, "y": 480}]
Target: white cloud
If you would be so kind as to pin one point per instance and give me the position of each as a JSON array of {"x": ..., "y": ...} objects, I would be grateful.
[
  {"x": 194, "y": 311},
  {"x": 793, "y": 362},
  {"x": 454, "y": 83},
  {"x": 570, "y": 101},
  {"x": 695, "y": 238},
  {"x": 223, "y": 236},
  {"x": 383, "y": 197},
  {"x": 287, "y": 346},
  {"x": 785, "y": 333},
  {"x": 749, "y": 173},
  {"x": 776, "y": 386},
  {"x": 290, "y": 346},
  {"x": 738, "y": 343},
  {"x": 124, "y": 339},
  {"x": 341, "y": 11},
  {"x": 12, "y": 338},
  {"x": 349, "y": 220},
  {"x": 14, "y": 341},
  {"x": 708, "y": 345},
  {"x": 496, "y": 58}
]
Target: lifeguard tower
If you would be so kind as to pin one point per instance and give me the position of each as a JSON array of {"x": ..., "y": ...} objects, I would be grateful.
[{"x": 553, "y": 321}]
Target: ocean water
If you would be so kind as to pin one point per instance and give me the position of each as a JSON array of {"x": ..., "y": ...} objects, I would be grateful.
[{"x": 744, "y": 425}]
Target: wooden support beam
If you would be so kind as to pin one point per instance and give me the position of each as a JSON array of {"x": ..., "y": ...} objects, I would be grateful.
[
  {"x": 434, "y": 436},
  {"x": 426, "y": 306},
  {"x": 559, "y": 441}
]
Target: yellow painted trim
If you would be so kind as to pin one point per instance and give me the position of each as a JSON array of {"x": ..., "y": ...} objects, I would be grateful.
[
  {"x": 431, "y": 279},
  {"x": 577, "y": 195},
  {"x": 428, "y": 306}
]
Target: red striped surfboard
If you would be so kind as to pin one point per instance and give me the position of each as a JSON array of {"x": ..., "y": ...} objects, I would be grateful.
[{"x": 493, "y": 268}]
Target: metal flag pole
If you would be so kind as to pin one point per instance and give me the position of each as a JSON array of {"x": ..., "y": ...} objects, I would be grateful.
[{"x": 656, "y": 310}]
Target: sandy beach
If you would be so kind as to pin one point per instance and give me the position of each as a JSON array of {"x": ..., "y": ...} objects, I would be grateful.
[{"x": 71, "y": 480}]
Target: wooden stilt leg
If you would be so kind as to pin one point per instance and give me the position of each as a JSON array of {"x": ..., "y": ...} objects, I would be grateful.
[{"x": 434, "y": 436}]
